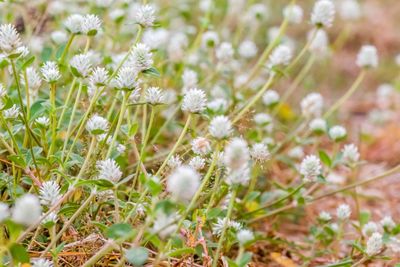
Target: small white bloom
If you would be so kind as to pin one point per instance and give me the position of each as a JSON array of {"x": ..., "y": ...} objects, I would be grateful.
[
  {"x": 224, "y": 52},
  {"x": 343, "y": 212},
  {"x": 39, "y": 262},
  {"x": 324, "y": 216},
  {"x": 4, "y": 212},
  {"x": 33, "y": 79},
  {"x": 51, "y": 217},
  {"x": 201, "y": 146},
  {"x": 164, "y": 225},
  {"x": 219, "y": 225},
  {"x": 91, "y": 24},
  {"x": 174, "y": 162},
  {"x": 194, "y": 101},
  {"x": 135, "y": 96},
  {"x": 103, "y": 3},
  {"x": 318, "y": 125},
  {"x": 183, "y": 183},
  {"x": 281, "y": 55},
  {"x": 387, "y": 222},
  {"x": 312, "y": 104},
  {"x": 257, "y": 12},
  {"x": 197, "y": 163},
  {"x": 59, "y": 37},
  {"x": 270, "y": 98},
  {"x": 210, "y": 39},
  {"x": 74, "y": 23},
  {"x": 43, "y": 121},
  {"x": 367, "y": 57},
  {"x": 374, "y": 244},
  {"x": 50, "y": 72},
  {"x": 155, "y": 38},
  {"x": 98, "y": 77},
  {"x": 236, "y": 154},
  {"x": 126, "y": 79},
  {"x": 293, "y": 14},
  {"x": 262, "y": 119},
  {"x": 260, "y": 152},
  {"x": 49, "y": 193},
  {"x": 121, "y": 148},
  {"x": 296, "y": 152},
  {"x": 323, "y": 13},
  {"x": 97, "y": 125},
  {"x": 9, "y": 39},
  {"x": 310, "y": 168},
  {"x": 11, "y": 113},
  {"x": 27, "y": 210},
  {"x": 319, "y": 42},
  {"x": 108, "y": 169},
  {"x": 349, "y": 10},
  {"x": 154, "y": 96},
  {"x": 141, "y": 57},
  {"x": 350, "y": 154},
  {"x": 81, "y": 65},
  {"x": 244, "y": 236},
  {"x": 189, "y": 79},
  {"x": 220, "y": 127},
  {"x": 337, "y": 132},
  {"x": 145, "y": 15},
  {"x": 218, "y": 105},
  {"x": 247, "y": 49},
  {"x": 240, "y": 176},
  {"x": 369, "y": 228}
]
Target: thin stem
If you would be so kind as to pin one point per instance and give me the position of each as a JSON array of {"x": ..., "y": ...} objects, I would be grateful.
[
  {"x": 303, "y": 51},
  {"x": 165, "y": 124},
  {"x": 66, "y": 49},
  {"x": 88, "y": 155},
  {"x": 53, "y": 117},
  {"x": 66, "y": 104}
]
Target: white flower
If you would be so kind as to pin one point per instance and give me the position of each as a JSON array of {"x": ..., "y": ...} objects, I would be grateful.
[
  {"x": 27, "y": 210},
  {"x": 126, "y": 79},
  {"x": 201, "y": 146},
  {"x": 387, "y": 222},
  {"x": 369, "y": 228},
  {"x": 11, "y": 113},
  {"x": 183, "y": 183},
  {"x": 349, "y": 10},
  {"x": 154, "y": 96},
  {"x": 33, "y": 79},
  {"x": 318, "y": 125},
  {"x": 97, "y": 125},
  {"x": 224, "y": 52},
  {"x": 293, "y": 13},
  {"x": 174, "y": 162},
  {"x": 49, "y": 193},
  {"x": 103, "y": 3},
  {"x": 164, "y": 225},
  {"x": 81, "y": 65},
  {"x": 141, "y": 57},
  {"x": 218, "y": 105},
  {"x": 117, "y": 14},
  {"x": 281, "y": 55},
  {"x": 312, "y": 104},
  {"x": 270, "y": 98},
  {"x": 99, "y": 77},
  {"x": 121, "y": 148},
  {"x": 38, "y": 262},
  {"x": 374, "y": 244},
  {"x": 50, "y": 72},
  {"x": 51, "y": 217},
  {"x": 91, "y": 24},
  {"x": 9, "y": 39},
  {"x": 343, "y": 212},
  {"x": 323, "y": 13},
  {"x": 219, "y": 225},
  {"x": 324, "y": 216},
  {"x": 155, "y": 38},
  {"x": 145, "y": 15},
  {"x": 319, "y": 41},
  {"x": 296, "y": 152},
  {"x": 236, "y": 153},
  {"x": 134, "y": 96},
  {"x": 74, "y": 23},
  {"x": 310, "y": 168},
  {"x": 43, "y": 121},
  {"x": 244, "y": 236},
  {"x": 337, "y": 132},
  {"x": 4, "y": 211},
  {"x": 239, "y": 176},
  {"x": 262, "y": 119},
  {"x": 257, "y": 12},
  {"x": 209, "y": 39},
  {"x": 59, "y": 37},
  {"x": 3, "y": 91},
  {"x": 350, "y": 154},
  {"x": 189, "y": 79},
  {"x": 108, "y": 169},
  {"x": 220, "y": 127},
  {"x": 247, "y": 49},
  {"x": 259, "y": 152},
  {"x": 197, "y": 163},
  {"x": 194, "y": 101},
  {"x": 367, "y": 57}
]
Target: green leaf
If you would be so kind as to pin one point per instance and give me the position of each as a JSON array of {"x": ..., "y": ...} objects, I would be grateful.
[
  {"x": 325, "y": 158},
  {"x": 364, "y": 217},
  {"x": 152, "y": 71},
  {"x": 100, "y": 183},
  {"x": 119, "y": 230},
  {"x": 133, "y": 129},
  {"x": 17, "y": 159},
  {"x": 46, "y": 53},
  {"x": 28, "y": 62},
  {"x": 19, "y": 253},
  {"x": 137, "y": 256},
  {"x": 245, "y": 259},
  {"x": 154, "y": 186},
  {"x": 340, "y": 264}
]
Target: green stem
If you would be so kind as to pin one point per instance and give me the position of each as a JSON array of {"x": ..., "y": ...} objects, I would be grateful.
[
  {"x": 88, "y": 155},
  {"x": 53, "y": 117},
  {"x": 66, "y": 49},
  {"x": 66, "y": 104},
  {"x": 165, "y": 124}
]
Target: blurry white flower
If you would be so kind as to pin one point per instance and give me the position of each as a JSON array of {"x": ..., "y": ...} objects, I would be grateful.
[
  {"x": 270, "y": 98},
  {"x": 135, "y": 96},
  {"x": 40, "y": 262},
  {"x": 374, "y": 244},
  {"x": 33, "y": 79},
  {"x": 197, "y": 163},
  {"x": 154, "y": 96},
  {"x": 183, "y": 183},
  {"x": 296, "y": 152},
  {"x": 224, "y": 52},
  {"x": 155, "y": 38},
  {"x": 281, "y": 55},
  {"x": 259, "y": 152},
  {"x": 27, "y": 210},
  {"x": 4, "y": 211},
  {"x": 201, "y": 146},
  {"x": 108, "y": 169},
  {"x": 247, "y": 49},
  {"x": 50, "y": 72},
  {"x": 369, "y": 228},
  {"x": 318, "y": 125},
  {"x": 49, "y": 193},
  {"x": 220, "y": 127},
  {"x": 91, "y": 25},
  {"x": 323, "y": 13},
  {"x": 236, "y": 153},
  {"x": 164, "y": 225},
  {"x": 262, "y": 119},
  {"x": 311, "y": 105},
  {"x": 59, "y": 37},
  {"x": 98, "y": 77},
  {"x": 367, "y": 57},
  {"x": 74, "y": 23},
  {"x": 335, "y": 178},
  {"x": 43, "y": 121},
  {"x": 385, "y": 95},
  {"x": 218, "y": 105},
  {"x": 189, "y": 79},
  {"x": 141, "y": 57},
  {"x": 145, "y": 15},
  {"x": 51, "y": 217},
  {"x": 97, "y": 125},
  {"x": 310, "y": 168},
  {"x": 126, "y": 79},
  {"x": 194, "y": 101},
  {"x": 343, "y": 212},
  {"x": 324, "y": 216},
  {"x": 219, "y": 225},
  {"x": 319, "y": 41},
  {"x": 81, "y": 65},
  {"x": 293, "y": 13},
  {"x": 11, "y": 113},
  {"x": 337, "y": 132},
  {"x": 9, "y": 39},
  {"x": 349, "y": 10},
  {"x": 103, "y": 3},
  {"x": 388, "y": 223},
  {"x": 174, "y": 162},
  {"x": 117, "y": 14},
  {"x": 257, "y": 12},
  {"x": 244, "y": 236},
  {"x": 209, "y": 39},
  {"x": 240, "y": 176},
  {"x": 350, "y": 154},
  {"x": 121, "y": 148}
]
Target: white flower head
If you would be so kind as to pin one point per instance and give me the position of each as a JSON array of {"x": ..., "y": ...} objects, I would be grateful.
[
  {"x": 323, "y": 13},
  {"x": 280, "y": 56},
  {"x": 33, "y": 80},
  {"x": 108, "y": 169},
  {"x": 293, "y": 14},
  {"x": 374, "y": 244},
  {"x": 318, "y": 125},
  {"x": 262, "y": 119},
  {"x": 319, "y": 42},
  {"x": 59, "y": 37},
  {"x": 4, "y": 211},
  {"x": 27, "y": 210},
  {"x": 126, "y": 79},
  {"x": 11, "y": 113},
  {"x": 310, "y": 168},
  {"x": 145, "y": 15},
  {"x": 74, "y": 23},
  {"x": 80, "y": 65},
  {"x": 164, "y": 225},
  {"x": 220, "y": 127},
  {"x": 43, "y": 121},
  {"x": 219, "y": 225},
  {"x": 271, "y": 97},
  {"x": 312, "y": 104},
  {"x": 183, "y": 183},
  {"x": 121, "y": 148},
  {"x": 50, "y": 72},
  {"x": 349, "y": 10},
  {"x": 343, "y": 212},
  {"x": 224, "y": 52},
  {"x": 51, "y": 217},
  {"x": 91, "y": 25},
  {"x": 41, "y": 262},
  {"x": 189, "y": 79},
  {"x": 350, "y": 154},
  {"x": 194, "y": 101},
  {"x": 324, "y": 216},
  {"x": 155, "y": 38},
  {"x": 239, "y": 176},
  {"x": 141, "y": 57},
  {"x": 367, "y": 57},
  {"x": 210, "y": 39},
  {"x": 201, "y": 146},
  {"x": 197, "y": 163},
  {"x": 337, "y": 133},
  {"x": 218, "y": 105},
  {"x": 154, "y": 96},
  {"x": 297, "y": 152},
  {"x": 244, "y": 236},
  {"x": 49, "y": 193},
  {"x": 9, "y": 40},
  {"x": 174, "y": 162},
  {"x": 369, "y": 228},
  {"x": 97, "y": 125},
  {"x": 260, "y": 152},
  {"x": 236, "y": 154},
  {"x": 247, "y": 49},
  {"x": 388, "y": 223},
  {"x": 98, "y": 77}
]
